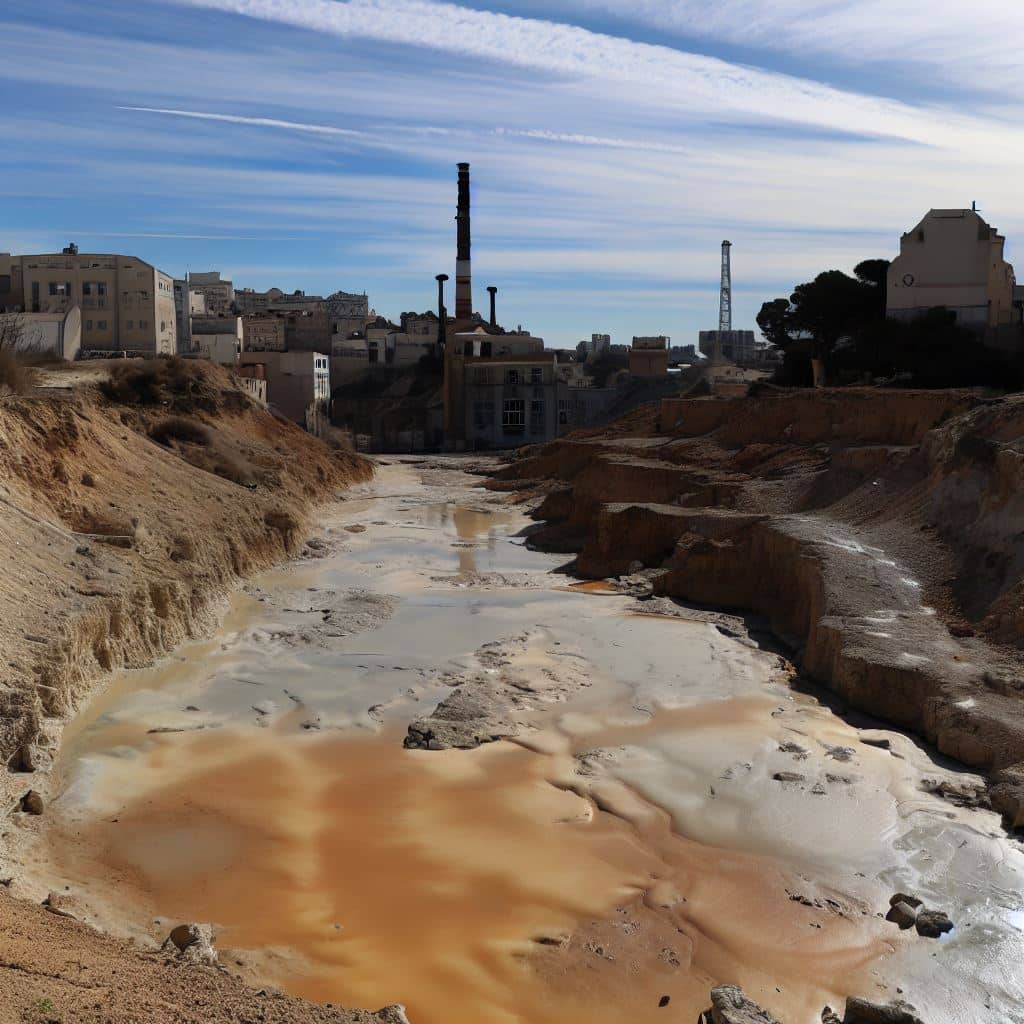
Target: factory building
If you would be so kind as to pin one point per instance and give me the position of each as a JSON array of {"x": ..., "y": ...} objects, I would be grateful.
[{"x": 127, "y": 305}]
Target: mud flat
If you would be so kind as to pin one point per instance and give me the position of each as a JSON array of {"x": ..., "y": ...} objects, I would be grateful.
[{"x": 415, "y": 767}]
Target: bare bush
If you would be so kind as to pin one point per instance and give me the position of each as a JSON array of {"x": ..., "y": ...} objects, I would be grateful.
[{"x": 180, "y": 428}]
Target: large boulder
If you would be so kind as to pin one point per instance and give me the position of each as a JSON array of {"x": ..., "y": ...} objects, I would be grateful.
[
  {"x": 860, "y": 1011},
  {"x": 730, "y": 1006}
]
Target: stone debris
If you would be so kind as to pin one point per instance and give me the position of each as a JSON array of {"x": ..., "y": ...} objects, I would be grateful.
[
  {"x": 961, "y": 794},
  {"x": 788, "y": 777},
  {"x": 933, "y": 923},
  {"x": 909, "y": 912},
  {"x": 789, "y": 747},
  {"x": 730, "y": 1006},
  {"x": 902, "y": 914},
  {"x": 860, "y": 1011},
  {"x": 31, "y": 803},
  {"x": 192, "y": 943},
  {"x": 63, "y": 904}
]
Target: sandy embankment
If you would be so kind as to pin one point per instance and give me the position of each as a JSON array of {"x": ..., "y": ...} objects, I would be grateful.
[
  {"x": 671, "y": 815},
  {"x": 120, "y": 548},
  {"x": 878, "y": 531}
]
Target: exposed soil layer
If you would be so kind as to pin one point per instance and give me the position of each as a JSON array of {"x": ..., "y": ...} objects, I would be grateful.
[
  {"x": 132, "y": 499},
  {"x": 55, "y": 969},
  {"x": 878, "y": 531}
]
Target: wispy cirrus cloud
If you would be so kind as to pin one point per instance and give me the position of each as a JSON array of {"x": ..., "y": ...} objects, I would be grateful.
[
  {"x": 662, "y": 76},
  {"x": 951, "y": 40}
]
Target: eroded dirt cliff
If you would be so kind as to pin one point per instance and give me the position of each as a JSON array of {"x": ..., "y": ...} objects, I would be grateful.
[
  {"x": 128, "y": 507},
  {"x": 878, "y": 531}
]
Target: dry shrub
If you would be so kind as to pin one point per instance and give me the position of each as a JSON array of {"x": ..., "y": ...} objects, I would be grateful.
[
  {"x": 234, "y": 468},
  {"x": 14, "y": 377},
  {"x": 180, "y": 428},
  {"x": 182, "y": 385}
]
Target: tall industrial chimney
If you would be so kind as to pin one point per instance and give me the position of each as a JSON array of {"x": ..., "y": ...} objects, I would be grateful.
[
  {"x": 494, "y": 313},
  {"x": 725, "y": 294},
  {"x": 463, "y": 270}
]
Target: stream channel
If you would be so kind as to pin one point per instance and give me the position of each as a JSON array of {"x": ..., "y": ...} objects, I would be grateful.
[{"x": 671, "y": 813}]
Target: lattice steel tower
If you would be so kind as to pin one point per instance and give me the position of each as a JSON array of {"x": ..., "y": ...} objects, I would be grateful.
[{"x": 725, "y": 297}]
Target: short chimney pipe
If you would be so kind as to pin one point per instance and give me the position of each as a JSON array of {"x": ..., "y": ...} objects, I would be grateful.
[
  {"x": 442, "y": 316},
  {"x": 463, "y": 266},
  {"x": 494, "y": 315}
]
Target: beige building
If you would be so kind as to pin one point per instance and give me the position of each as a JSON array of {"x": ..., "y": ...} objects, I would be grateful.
[
  {"x": 263, "y": 333},
  {"x": 218, "y": 295},
  {"x": 218, "y": 339},
  {"x": 952, "y": 258},
  {"x": 298, "y": 385},
  {"x": 126, "y": 303},
  {"x": 648, "y": 357}
]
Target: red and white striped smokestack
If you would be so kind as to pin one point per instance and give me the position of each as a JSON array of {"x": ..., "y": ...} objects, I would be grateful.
[{"x": 463, "y": 267}]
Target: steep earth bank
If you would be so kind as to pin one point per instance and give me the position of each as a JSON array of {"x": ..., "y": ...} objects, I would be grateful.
[
  {"x": 131, "y": 500},
  {"x": 879, "y": 531}
]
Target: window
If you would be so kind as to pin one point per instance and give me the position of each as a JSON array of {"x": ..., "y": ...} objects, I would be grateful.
[
  {"x": 536, "y": 417},
  {"x": 88, "y": 325},
  {"x": 53, "y": 288},
  {"x": 513, "y": 415},
  {"x": 101, "y": 288},
  {"x": 536, "y": 374},
  {"x": 101, "y": 324},
  {"x": 163, "y": 325},
  {"x": 130, "y": 324},
  {"x": 143, "y": 325},
  {"x": 483, "y": 415},
  {"x": 482, "y": 376},
  {"x": 511, "y": 376},
  {"x": 563, "y": 412},
  {"x": 87, "y": 287}
]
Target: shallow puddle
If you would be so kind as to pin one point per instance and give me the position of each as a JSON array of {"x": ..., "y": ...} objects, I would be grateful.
[{"x": 632, "y": 843}]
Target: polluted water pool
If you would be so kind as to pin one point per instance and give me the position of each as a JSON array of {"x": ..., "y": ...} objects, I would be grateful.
[{"x": 640, "y": 835}]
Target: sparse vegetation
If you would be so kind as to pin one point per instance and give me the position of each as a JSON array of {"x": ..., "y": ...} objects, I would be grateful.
[
  {"x": 180, "y": 428},
  {"x": 180, "y": 385}
]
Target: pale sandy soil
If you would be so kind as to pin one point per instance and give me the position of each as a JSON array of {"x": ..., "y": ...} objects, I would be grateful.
[{"x": 630, "y": 843}]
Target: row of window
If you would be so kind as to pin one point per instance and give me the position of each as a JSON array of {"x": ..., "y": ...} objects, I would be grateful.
[
  {"x": 101, "y": 325},
  {"x": 513, "y": 415},
  {"x": 529, "y": 375}
]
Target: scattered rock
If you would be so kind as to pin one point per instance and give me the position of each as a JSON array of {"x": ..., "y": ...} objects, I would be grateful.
[
  {"x": 192, "y": 943},
  {"x": 663, "y": 1001},
  {"x": 932, "y": 923},
  {"x": 63, "y": 904},
  {"x": 788, "y": 777},
  {"x": 356, "y": 528},
  {"x": 902, "y": 914},
  {"x": 902, "y": 897},
  {"x": 829, "y": 1016},
  {"x": 730, "y": 1006},
  {"x": 840, "y": 753},
  {"x": 31, "y": 803},
  {"x": 860, "y": 1011},
  {"x": 962, "y": 794},
  {"x": 789, "y": 747}
]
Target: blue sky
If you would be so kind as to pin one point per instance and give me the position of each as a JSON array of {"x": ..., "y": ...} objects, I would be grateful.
[{"x": 312, "y": 143}]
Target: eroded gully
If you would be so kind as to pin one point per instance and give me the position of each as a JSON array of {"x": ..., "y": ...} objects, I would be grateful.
[{"x": 633, "y": 841}]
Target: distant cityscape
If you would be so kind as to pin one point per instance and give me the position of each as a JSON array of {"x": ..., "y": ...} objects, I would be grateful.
[{"x": 432, "y": 380}]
